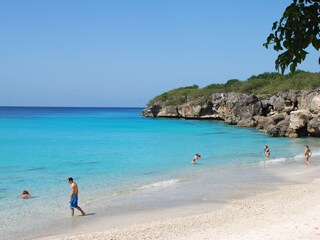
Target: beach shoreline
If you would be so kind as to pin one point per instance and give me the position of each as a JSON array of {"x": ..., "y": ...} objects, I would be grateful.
[
  {"x": 284, "y": 209},
  {"x": 130, "y": 169}
]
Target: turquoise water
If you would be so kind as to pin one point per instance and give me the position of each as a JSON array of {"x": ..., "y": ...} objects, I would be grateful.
[{"x": 113, "y": 151}]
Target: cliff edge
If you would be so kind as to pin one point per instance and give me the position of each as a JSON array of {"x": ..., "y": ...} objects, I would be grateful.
[{"x": 286, "y": 114}]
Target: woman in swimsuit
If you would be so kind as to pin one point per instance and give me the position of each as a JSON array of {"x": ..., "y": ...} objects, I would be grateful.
[
  {"x": 267, "y": 151},
  {"x": 195, "y": 158},
  {"x": 307, "y": 154}
]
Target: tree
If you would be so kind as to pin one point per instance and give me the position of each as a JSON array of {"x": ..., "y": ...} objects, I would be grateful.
[{"x": 294, "y": 32}]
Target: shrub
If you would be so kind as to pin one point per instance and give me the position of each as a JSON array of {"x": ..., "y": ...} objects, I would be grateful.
[{"x": 265, "y": 83}]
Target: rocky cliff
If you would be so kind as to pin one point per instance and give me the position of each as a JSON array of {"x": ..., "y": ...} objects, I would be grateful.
[{"x": 290, "y": 114}]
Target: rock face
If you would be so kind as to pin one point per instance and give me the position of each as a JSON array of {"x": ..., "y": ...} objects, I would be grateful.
[{"x": 290, "y": 114}]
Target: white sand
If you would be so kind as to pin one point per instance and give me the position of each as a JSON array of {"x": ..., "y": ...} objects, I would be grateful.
[{"x": 290, "y": 212}]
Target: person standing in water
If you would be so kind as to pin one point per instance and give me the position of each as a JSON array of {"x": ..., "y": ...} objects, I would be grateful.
[
  {"x": 195, "y": 158},
  {"x": 307, "y": 154},
  {"x": 74, "y": 197},
  {"x": 267, "y": 151}
]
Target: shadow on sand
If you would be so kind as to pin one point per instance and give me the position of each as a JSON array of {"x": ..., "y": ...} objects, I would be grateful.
[{"x": 88, "y": 214}]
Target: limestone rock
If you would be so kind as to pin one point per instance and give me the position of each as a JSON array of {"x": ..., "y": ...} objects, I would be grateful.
[
  {"x": 299, "y": 119},
  {"x": 313, "y": 126},
  {"x": 287, "y": 114}
]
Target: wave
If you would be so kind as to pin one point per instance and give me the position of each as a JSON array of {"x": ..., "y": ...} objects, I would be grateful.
[
  {"x": 316, "y": 153},
  {"x": 299, "y": 156},
  {"x": 161, "y": 184},
  {"x": 36, "y": 169},
  {"x": 274, "y": 161},
  {"x": 80, "y": 162},
  {"x": 290, "y": 159}
]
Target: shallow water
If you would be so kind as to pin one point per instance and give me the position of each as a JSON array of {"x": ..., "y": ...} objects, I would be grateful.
[{"x": 114, "y": 153}]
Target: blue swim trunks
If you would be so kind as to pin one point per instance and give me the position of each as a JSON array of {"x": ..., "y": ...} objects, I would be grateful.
[{"x": 74, "y": 201}]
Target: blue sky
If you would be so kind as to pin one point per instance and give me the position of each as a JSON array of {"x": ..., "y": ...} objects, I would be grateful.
[{"x": 123, "y": 53}]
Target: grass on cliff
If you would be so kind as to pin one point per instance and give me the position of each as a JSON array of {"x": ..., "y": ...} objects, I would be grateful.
[{"x": 266, "y": 83}]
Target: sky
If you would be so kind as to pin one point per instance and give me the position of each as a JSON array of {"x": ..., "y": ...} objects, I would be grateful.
[{"x": 102, "y": 53}]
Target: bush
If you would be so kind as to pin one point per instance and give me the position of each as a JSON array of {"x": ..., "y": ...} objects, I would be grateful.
[{"x": 265, "y": 83}]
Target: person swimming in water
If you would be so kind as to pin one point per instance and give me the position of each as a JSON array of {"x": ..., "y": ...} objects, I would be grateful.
[
  {"x": 195, "y": 158},
  {"x": 25, "y": 194}
]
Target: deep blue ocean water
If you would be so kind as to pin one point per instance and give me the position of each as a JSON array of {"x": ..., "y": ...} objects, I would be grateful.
[{"x": 114, "y": 151}]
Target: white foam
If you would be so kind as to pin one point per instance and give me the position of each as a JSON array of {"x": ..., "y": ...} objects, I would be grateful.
[
  {"x": 315, "y": 153},
  {"x": 299, "y": 156},
  {"x": 274, "y": 161},
  {"x": 161, "y": 184}
]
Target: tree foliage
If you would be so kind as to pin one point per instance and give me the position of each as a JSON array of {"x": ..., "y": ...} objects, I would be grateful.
[{"x": 294, "y": 32}]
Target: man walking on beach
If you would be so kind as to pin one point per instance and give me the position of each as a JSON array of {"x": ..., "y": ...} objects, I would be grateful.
[{"x": 74, "y": 197}]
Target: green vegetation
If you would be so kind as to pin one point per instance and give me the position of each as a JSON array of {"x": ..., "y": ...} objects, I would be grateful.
[
  {"x": 266, "y": 83},
  {"x": 297, "y": 29}
]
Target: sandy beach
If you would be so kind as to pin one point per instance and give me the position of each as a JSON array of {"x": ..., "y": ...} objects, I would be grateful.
[
  {"x": 290, "y": 211},
  {"x": 160, "y": 120}
]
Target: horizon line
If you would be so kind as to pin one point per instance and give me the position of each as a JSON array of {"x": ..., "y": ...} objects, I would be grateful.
[{"x": 21, "y": 106}]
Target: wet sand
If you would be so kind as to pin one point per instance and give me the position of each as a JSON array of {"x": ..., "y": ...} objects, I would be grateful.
[{"x": 286, "y": 206}]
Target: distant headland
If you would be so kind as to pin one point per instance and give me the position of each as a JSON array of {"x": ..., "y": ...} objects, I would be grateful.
[{"x": 282, "y": 106}]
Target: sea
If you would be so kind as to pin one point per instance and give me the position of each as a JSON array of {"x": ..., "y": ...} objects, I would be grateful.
[{"x": 121, "y": 161}]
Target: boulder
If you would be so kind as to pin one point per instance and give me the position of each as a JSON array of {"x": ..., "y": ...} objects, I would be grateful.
[
  {"x": 283, "y": 126},
  {"x": 278, "y": 117},
  {"x": 311, "y": 102},
  {"x": 272, "y": 130},
  {"x": 299, "y": 119},
  {"x": 248, "y": 122},
  {"x": 262, "y": 122},
  {"x": 289, "y": 114},
  {"x": 313, "y": 126},
  {"x": 169, "y": 111},
  {"x": 189, "y": 111}
]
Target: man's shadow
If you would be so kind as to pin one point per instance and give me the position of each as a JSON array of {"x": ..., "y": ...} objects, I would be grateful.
[{"x": 89, "y": 214}]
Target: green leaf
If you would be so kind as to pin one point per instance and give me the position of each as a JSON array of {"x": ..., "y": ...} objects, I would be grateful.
[
  {"x": 295, "y": 31},
  {"x": 303, "y": 54},
  {"x": 293, "y": 67},
  {"x": 274, "y": 26},
  {"x": 316, "y": 43},
  {"x": 270, "y": 38}
]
